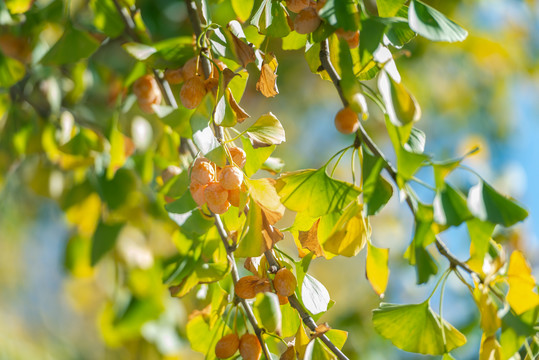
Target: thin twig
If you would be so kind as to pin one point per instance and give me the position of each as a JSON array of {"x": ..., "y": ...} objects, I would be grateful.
[{"x": 328, "y": 66}]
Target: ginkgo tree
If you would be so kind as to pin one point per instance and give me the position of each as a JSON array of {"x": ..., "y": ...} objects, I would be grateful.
[{"x": 165, "y": 143}]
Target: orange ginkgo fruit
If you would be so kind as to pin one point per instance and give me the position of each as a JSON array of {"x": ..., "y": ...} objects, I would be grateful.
[
  {"x": 351, "y": 37},
  {"x": 197, "y": 192},
  {"x": 227, "y": 346},
  {"x": 215, "y": 194},
  {"x": 297, "y": 5},
  {"x": 203, "y": 172},
  {"x": 238, "y": 156},
  {"x": 284, "y": 282},
  {"x": 234, "y": 197},
  {"x": 174, "y": 76},
  {"x": 230, "y": 177},
  {"x": 346, "y": 121},
  {"x": 192, "y": 68},
  {"x": 250, "y": 348},
  {"x": 307, "y": 21},
  {"x": 192, "y": 92}
]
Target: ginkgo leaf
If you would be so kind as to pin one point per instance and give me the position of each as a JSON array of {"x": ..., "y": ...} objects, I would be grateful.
[
  {"x": 350, "y": 233},
  {"x": 416, "y": 328},
  {"x": 432, "y": 24},
  {"x": 73, "y": 46},
  {"x": 401, "y": 105},
  {"x": 490, "y": 322},
  {"x": 521, "y": 295},
  {"x": 241, "y": 114},
  {"x": 314, "y": 295},
  {"x": 267, "y": 83},
  {"x": 266, "y": 131},
  {"x": 376, "y": 268},
  {"x": 490, "y": 348},
  {"x": 488, "y": 205},
  {"x": 263, "y": 192},
  {"x": 243, "y": 51},
  {"x": 11, "y": 71},
  {"x": 314, "y": 191}
]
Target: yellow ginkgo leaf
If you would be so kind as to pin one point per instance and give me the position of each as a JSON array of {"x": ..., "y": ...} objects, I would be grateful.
[
  {"x": 377, "y": 269},
  {"x": 490, "y": 348},
  {"x": 521, "y": 296}
]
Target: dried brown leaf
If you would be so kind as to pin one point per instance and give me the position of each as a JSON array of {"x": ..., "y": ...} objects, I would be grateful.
[
  {"x": 267, "y": 83},
  {"x": 241, "y": 114},
  {"x": 289, "y": 354},
  {"x": 321, "y": 329},
  {"x": 244, "y": 51},
  {"x": 309, "y": 240}
]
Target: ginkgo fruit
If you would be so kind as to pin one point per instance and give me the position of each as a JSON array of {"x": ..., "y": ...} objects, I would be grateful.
[
  {"x": 215, "y": 194},
  {"x": 346, "y": 121},
  {"x": 230, "y": 177},
  {"x": 145, "y": 88},
  {"x": 174, "y": 76},
  {"x": 238, "y": 156},
  {"x": 192, "y": 68},
  {"x": 203, "y": 172},
  {"x": 297, "y": 5},
  {"x": 307, "y": 21},
  {"x": 197, "y": 192},
  {"x": 234, "y": 197},
  {"x": 284, "y": 282},
  {"x": 211, "y": 83},
  {"x": 351, "y": 37},
  {"x": 219, "y": 208},
  {"x": 248, "y": 286},
  {"x": 250, "y": 348},
  {"x": 192, "y": 92},
  {"x": 147, "y": 92},
  {"x": 227, "y": 346}
]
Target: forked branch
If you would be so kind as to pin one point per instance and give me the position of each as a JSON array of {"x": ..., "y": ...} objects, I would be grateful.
[{"x": 328, "y": 66}]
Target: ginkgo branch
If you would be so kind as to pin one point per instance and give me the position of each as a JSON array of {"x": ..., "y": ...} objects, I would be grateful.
[
  {"x": 170, "y": 100},
  {"x": 328, "y": 67}
]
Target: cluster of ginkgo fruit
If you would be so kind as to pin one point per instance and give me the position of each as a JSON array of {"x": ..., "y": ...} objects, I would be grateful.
[
  {"x": 193, "y": 90},
  {"x": 284, "y": 284},
  {"x": 218, "y": 187},
  {"x": 247, "y": 287},
  {"x": 194, "y": 86},
  {"x": 248, "y": 345}
]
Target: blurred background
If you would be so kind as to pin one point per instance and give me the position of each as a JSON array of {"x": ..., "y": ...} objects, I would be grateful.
[{"x": 481, "y": 92}]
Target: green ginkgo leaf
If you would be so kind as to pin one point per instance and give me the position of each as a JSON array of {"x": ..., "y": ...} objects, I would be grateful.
[
  {"x": 315, "y": 192},
  {"x": 416, "y": 328},
  {"x": 489, "y": 205},
  {"x": 74, "y": 45},
  {"x": 432, "y": 24}
]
